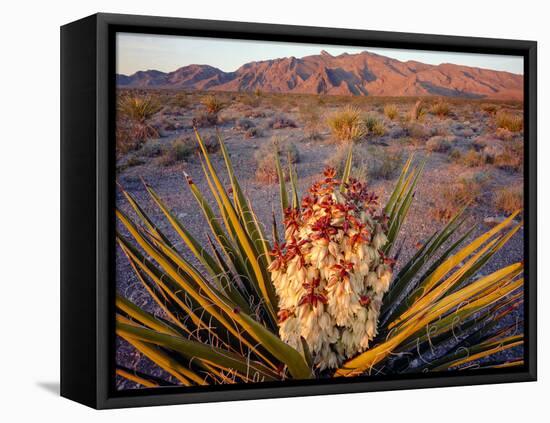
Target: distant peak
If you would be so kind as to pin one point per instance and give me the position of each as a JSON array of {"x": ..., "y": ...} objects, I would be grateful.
[{"x": 325, "y": 53}]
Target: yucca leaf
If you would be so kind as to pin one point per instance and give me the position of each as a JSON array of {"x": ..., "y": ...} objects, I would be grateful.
[
  {"x": 478, "y": 352},
  {"x": 282, "y": 185},
  {"x": 191, "y": 349},
  {"x": 148, "y": 381},
  {"x": 455, "y": 259},
  {"x": 183, "y": 374},
  {"x": 367, "y": 360},
  {"x": 347, "y": 168},
  {"x": 293, "y": 184},
  {"x": 398, "y": 187},
  {"x": 241, "y": 235}
]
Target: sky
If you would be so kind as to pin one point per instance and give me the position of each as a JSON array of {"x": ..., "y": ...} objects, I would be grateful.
[{"x": 167, "y": 53}]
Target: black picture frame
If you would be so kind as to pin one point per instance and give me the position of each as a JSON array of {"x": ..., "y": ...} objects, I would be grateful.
[{"x": 87, "y": 206}]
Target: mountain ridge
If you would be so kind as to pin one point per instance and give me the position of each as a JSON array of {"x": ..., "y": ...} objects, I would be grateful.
[{"x": 363, "y": 73}]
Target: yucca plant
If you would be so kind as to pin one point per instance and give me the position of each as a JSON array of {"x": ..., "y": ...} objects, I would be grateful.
[
  {"x": 213, "y": 104},
  {"x": 347, "y": 125},
  {"x": 418, "y": 111},
  {"x": 137, "y": 111},
  {"x": 324, "y": 302}
]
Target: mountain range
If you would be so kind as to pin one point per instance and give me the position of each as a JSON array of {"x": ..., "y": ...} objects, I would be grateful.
[{"x": 347, "y": 74}]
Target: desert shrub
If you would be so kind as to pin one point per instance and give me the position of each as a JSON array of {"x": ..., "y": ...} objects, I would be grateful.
[
  {"x": 504, "y": 134},
  {"x": 509, "y": 121},
  {"x": 250, "y": 100},
  {"x": 258, "y": 92},
  {"x": 244, "y": 124},
  {"x": 311, "y": 117},
  {"x": 374, "y": 125},
  {"x": 346, "y": 124},
  {"x": 266, "y": 171},
  {"x": 178, "y": 150},
  {"x": 441, "y": 108},
  {"x": 213, "y": 104},
  {"x": 509, "y": 199},
  {"x": 511, "y": 158},
  {"x": 202, "y": 119},
  {"x": 455, "y": 155},
  {"x": 337, "y": 160},
  {"x": 151, "y": 148},
  {"x": 281, "y": 122},
  {"x": 418, "y": 111},
  {"x": 438, "y": 144},
  {"x": 384, "y": 163},
  {"x": 489, "y": 108},
  {"x": 134, "y": 161},
  {"x": 253, "y": 132},
  {"x": 180, "y": 100},
  {"x": 416, "y": 130},
  {"x": 391, "y": 111},
  {"x": 473, "y": 158},
  {"x": 454, "y": 197}
]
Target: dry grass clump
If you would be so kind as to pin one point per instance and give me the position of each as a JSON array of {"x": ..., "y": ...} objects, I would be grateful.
[
  {"x": 418, "y": 111},
  {"x": 266, "y": 171},
  {"x": 509, "y": 121},
  {"x": 213, "y": 104},
  {"x": 374, "y": 125},
  {"x": 369, "y": 162},
  {"x": 509, "y": 199},
  {"x": 346, "y": 124},
  {"x": 441, "y": 109},
  {"x": 454, "y": 197},
  {"x": 391, "y": 111}
]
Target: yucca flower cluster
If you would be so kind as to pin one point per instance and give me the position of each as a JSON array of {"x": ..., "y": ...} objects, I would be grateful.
[{"x": 330, "y": 273}]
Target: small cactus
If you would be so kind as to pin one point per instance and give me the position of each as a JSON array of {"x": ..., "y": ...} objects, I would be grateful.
[{"x": 330, "y": 273}]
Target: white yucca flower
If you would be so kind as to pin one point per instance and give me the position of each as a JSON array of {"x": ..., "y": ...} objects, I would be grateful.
[{"x": 330, "y": 273}]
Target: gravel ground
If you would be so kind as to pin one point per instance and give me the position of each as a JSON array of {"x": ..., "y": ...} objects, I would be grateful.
[{"x": 439, "y": 173}]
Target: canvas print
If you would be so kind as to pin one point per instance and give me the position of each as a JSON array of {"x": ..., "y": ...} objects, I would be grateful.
[{"x": 290, "y": 212}]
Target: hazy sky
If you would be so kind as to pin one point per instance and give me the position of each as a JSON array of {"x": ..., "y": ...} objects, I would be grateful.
[{"x": 168, "y": 52}]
